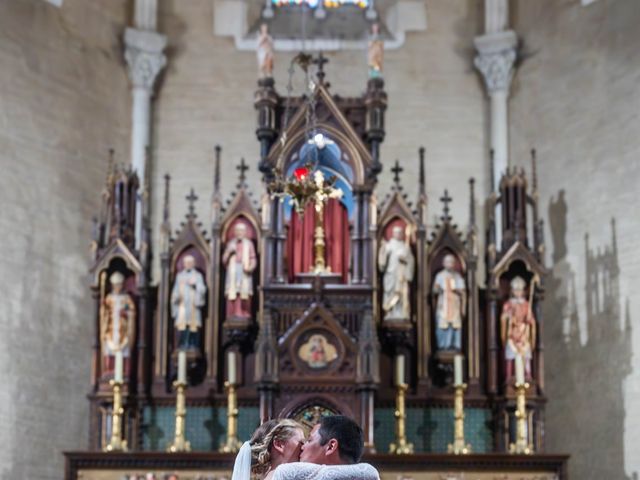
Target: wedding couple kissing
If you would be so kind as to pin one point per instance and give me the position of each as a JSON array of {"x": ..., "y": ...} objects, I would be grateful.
[{"x": 279, "y": 450}]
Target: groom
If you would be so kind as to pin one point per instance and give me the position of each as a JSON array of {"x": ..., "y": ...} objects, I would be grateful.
[{"x": 332, "y": 451}]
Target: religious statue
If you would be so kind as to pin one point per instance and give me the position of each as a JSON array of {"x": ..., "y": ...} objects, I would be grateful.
[
  {"x": 117, "y": 321},
  {"x": 396, "y": 262},
  {"x": 265, "y": 52},
  {"x": 376, "y": 52},
  {"x": 449, "y": 288},
  {"x": 518, "y": 328},
  {"x": 187, "y": 298},
  {"x": 239, "y": 259}
]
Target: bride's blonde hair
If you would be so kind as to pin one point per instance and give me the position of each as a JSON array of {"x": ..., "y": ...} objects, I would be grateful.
[{"x": 263, "y": 438}]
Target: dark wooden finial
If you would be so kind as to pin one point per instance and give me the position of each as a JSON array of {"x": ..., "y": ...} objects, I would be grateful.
[
  {"x": 165, "y": 209},
  {"x": 534, "y": 170},
  {"x": 446, "y": 199},
  {"x": 216, "y": 172},
  {"x": 472, "y": 201},
  {"x": 191, "y": 198},
  {"x": 421, "y": 151}
]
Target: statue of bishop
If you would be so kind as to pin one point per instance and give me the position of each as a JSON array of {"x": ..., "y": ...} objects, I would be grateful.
[
  {"x": 449, "y": 288},
  {"x": 518, "y": 329},
  {"x": 117, "y": 322},
  {"x": 396, "y": 262},
  {"x": 375, "y": 55},
  {"x": 187, "y": 299},
  {"x": 240, "y": 261}
]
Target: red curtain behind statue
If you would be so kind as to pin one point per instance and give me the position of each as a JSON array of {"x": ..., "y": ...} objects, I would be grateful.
[{"x": 300, "y": 239}]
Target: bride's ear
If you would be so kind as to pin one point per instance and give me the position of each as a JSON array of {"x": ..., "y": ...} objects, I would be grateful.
[{"x": 278, "y": 445}]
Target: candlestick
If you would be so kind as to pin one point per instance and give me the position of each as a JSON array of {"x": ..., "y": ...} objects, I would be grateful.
[
  {"x": 182, "y": 367},
  {"x": 401, "y": 446},
  {"x": 400, "y": 375},
  {"x": 118, "y": 371},
  {"x": 522, "y": 445},
  {"x": 231, "y": 367},
  {"x": 232, "y": 444},
  {"x": 319, "y": 264},
  {"x": 519, "y": 369},
  {"x": 459, "y": 446},
  {"x": 180, "y": 443},
  {"x": 116, "y": 443},
  {"x": 457, "y": 370}
]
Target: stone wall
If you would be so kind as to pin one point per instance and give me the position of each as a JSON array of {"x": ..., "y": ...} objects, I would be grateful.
[
  {"x": 575, "y": 98},
  {"x": 63, "y": 102}
]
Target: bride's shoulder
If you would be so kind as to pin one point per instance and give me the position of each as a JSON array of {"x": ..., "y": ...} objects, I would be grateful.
[
  {"x": 361, "y": 471},
  {"x": 295, "y": 471}
]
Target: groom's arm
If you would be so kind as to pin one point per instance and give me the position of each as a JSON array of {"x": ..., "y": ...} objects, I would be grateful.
[{"x": 296, "y": 471}]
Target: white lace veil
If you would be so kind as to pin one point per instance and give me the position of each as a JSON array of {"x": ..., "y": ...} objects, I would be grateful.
[{"x": 242, "y": 466}]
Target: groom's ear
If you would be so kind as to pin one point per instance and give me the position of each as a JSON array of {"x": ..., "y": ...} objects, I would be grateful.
[{"x": 331, "y": 447}]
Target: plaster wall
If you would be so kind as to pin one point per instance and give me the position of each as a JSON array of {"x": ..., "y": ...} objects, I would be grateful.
[{"x": 63, "y": 102}]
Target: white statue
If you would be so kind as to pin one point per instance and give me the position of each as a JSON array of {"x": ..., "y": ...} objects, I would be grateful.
[
  {"x": 449, "y": 288},
  {"x": 375, "y": 54},
  {"x": 187, "y": 298},
  {"x": 396, "y": 262},
  {"x": 265, "y": 52},
  {"x": 239, "y": 259}
]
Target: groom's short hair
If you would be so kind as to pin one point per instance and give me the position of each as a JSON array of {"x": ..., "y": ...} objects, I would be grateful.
[{"x": 348, "y": 434}]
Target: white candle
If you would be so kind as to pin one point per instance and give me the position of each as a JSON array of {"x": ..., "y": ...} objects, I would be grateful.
[
  {"x": 118, "y": 374},
  {"x": 519, "y": 369},
  {"x": 400, "y": 379},
  {"x": 232, "y": 374},
  {"x": 182, "y": 367},
  {"x": 457, "y": 370}
]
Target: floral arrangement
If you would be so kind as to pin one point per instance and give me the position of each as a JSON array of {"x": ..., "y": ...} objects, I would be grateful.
[{"x": 304, "y": 187}]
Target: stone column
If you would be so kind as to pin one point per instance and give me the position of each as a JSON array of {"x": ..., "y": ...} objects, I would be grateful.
[
  {"x": 495, "y": 60},
  {"x": 143, "y": 53}
]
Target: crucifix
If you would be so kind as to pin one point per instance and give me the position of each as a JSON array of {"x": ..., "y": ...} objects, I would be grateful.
[
  {"x": 397, "y": 170},
  {"x": 446, "y": 199},
  {"x": 242, "y": 168},
  {"x": 320, "y": 61},
  {"x": 191, "y": 198}
]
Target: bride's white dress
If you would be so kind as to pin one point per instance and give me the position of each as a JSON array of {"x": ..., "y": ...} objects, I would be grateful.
[{"x": 311, "y": 471}]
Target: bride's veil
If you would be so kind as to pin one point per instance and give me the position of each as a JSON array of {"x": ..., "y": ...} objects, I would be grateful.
[{"x": 242, "y": 466}]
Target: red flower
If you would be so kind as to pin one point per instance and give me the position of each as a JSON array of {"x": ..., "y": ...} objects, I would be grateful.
[{"x": 301, "y": 173}]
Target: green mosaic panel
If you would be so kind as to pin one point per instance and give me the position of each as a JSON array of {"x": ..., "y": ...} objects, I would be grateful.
[
  {"x": 205, "y": 427},
  {"x": 431, "y": 430}
]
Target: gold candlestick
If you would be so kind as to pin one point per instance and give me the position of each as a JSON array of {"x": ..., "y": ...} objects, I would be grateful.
[
  {"x": 401, "y": 446},
  {"x": 459, "y": 446},
  {"x": 117, "y": 443},
  {"x": 522, "y": 445},
  {"x": 232, "y": 445},
  {"x": 319, "y": 264},
  {"x": 180, "y": 443}
]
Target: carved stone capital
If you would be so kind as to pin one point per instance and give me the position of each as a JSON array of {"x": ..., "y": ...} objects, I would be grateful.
[
  {"x": 495, "y": 60},
  {"x": 143, "y": 53}
]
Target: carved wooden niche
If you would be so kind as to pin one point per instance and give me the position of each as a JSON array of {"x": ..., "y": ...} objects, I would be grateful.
[
  {"x": 448, "y": 300},
  {"x": 516, "y": 283},
  {"x": 188, "y": 302},
  {"x": 115, "y": 284},
  {"x": 397, "y": 217},
  {"x": 239, "y": 264}
]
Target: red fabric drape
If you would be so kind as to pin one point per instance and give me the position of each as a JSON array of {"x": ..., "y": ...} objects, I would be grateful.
[{"x": 300, "y": 240}]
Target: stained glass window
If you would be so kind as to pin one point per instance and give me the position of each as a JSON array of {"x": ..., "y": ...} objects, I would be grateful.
[{"x": 326, "y": 3}]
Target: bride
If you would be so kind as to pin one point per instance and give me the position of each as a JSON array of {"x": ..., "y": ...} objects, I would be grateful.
[{"x": 274, "y": 443}]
